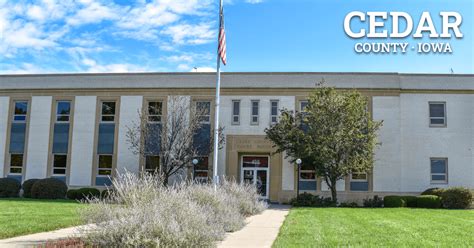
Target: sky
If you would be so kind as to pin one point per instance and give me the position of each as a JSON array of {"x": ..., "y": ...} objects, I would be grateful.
[{"x": 64, "y": 36}]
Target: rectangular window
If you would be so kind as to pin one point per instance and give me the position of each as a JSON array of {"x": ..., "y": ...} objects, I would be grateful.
[
  {"x": 59, "y": 164},
  {"x": 108, "y": 112},
  {"x": 439, "y": 170},
  {"x": 152, "y": 164},
  {"x": 307, "y": 173},
  {"x": 235, "y": 112},
  {"x": 303, "y": 105},
  {"x": 21, "y": 110},
  {"x": 358, "y": 177},
  {"x": 254, "y": 112},
  {"x": 105, "y": 165},
  {"x": 201, "y": 169},
  {"x": 63, "y": 111},
  {"x": 16, "y": 163},
  {"x": 437, "y": 114},
  {"x": 203, "y": 110},
  {"x": 273, "y": 111},
  {"x": 155, "y": 111}
]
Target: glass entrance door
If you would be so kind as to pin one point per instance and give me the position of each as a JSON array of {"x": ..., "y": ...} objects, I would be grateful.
[{"x": 255, "y": 171}]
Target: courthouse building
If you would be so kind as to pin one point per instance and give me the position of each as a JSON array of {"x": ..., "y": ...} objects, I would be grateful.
[{"x": 73, "y": 127}]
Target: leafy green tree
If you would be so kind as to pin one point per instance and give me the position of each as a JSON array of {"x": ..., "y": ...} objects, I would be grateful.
[{"x": 334, "y": 134}]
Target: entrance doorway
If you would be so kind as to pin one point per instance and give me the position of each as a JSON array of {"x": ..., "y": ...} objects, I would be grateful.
[{"x": 255, "y": 170}]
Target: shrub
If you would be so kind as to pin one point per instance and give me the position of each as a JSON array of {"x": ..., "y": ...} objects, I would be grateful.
[
  {"x": 310, "y": 200},
  {"x": 428, "y": 201},
  {"x": 349, "y": 205},
  {"x": 106, "y": 193},
  {"x": 141, "y": 212},
  {"x": 83, "y": 193},
  {"x": 410, "y": 201},
  {"x": 27, "y": 185},
  {"x": 9, "y": 187},
  {"x": 394, "y": 201},
  {"x": 457, "y": 198},
  {"x": 433, "y": 191},
  {"x": 49, "y": 188},
  {"x": 375, "y": 202}
]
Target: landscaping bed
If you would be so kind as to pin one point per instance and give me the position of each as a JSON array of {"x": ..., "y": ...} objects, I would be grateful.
[{"x": 377, "y": 227}]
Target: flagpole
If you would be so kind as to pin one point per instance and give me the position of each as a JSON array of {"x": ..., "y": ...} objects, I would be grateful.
[{"x": 215, "y": 180}]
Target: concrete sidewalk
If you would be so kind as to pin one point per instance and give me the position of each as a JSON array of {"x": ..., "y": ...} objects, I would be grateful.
[
  {"x": 261, "y": 230},
  {"x": 33, "y": 240}
]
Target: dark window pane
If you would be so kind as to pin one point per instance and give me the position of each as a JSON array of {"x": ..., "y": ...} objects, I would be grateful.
[
  {"x": 255, "y": 108},
  {"x": 438, "y": 177},
  {"x": 436, "y": 110},
  {"x": 203, "y": 164},
  {"x": 274, "y": 108},
  {"x": 154, "y": 118},
  {"x": 108, "y": 118},
  {"x": 108, "y": 108},
  {"x": 437, "y": 121},
  {"x": 59, "y": 171},
  {"x": 105, "y": 172},
  {"x": 236, "y": 108},
  {"x": 21, "y": 108},
  {"x": 303, "y": 105},
  {"x": 155, "y": 108},
  {"x": 204, "y": 108},
  {"x": 16, "y": 160},
  {"x": 274, "y": 119},
  {"x": 359, "y": 176},
  {"x": 152, "y": 162},
  {"x": 438, "y": 166},
  {"x": 15, "y": 170},
  {"x": 236, "y": 118},
  {"x": 62, "y": 118},
  {"x": 105, "y": 161},
  {"x": 306, "y": 167},
  {"x": 308, "y": 175},
  {"x": 200, "y": 174},
  {"x": 64, "y": 108},
  {"x": 60, "y": 161},
  {"x": 254, "y": 118}
]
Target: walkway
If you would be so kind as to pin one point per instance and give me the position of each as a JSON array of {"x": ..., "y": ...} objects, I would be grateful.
[{"x": 260, "y": 231}]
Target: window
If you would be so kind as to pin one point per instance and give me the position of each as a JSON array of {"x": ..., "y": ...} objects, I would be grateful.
[
  {"x": 105, "y": 165},
  {"x": 307, "y": 173},
  {"x": 152, "y": 164},
  {"x": 359, "y": 177},
  {"x": 273, "y": 111},
  {"x": 16, "y": 163},
  {"x": 203, "y": 110},
  {"x": 108, "y": 112},
  {"x": 254, "y": 112},
  {"x": 439, "y": 170},
  {"x": 63, "y": 111},
  {"x": 155, "y": 111},
  {"x": 201, "y": 169},
  {"x": 437, "y": 114},
  {"x": 21, "y": 109},
  {"x": 59, "y": 164},
  {"x": 303, "y": 105},
  {"x": 235, "y": 112}
]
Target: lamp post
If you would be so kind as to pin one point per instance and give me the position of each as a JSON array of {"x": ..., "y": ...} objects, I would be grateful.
[
  {"x": 195, "y": 162},
  {"x": 298, "y": 164}
]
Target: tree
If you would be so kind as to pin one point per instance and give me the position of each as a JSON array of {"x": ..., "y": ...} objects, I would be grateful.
[
  {"x": 175, "y": 139},
  {"x": 334, "y": 134}
]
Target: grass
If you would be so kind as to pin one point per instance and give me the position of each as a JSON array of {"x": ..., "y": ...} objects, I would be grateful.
[
  {"x": 25, "y": 216},
  {"x": 379, "y": 227}
]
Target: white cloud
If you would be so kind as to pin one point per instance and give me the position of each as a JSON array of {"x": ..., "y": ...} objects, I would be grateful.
[
  {"x": 183, "y": 67},
  {"x": 93, "y": 66},
  {"x": 93, "y": 12},
  {"x": 191, "y": 34},
  {"x": 253, "y": 1}
]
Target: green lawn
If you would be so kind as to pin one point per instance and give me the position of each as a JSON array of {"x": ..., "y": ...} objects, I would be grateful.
[
  {"x": 24, "y": 216},
  {"x": 379, "y": 227}
]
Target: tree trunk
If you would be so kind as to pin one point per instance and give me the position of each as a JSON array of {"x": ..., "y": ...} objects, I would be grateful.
[{"x": 333, "y": 191}]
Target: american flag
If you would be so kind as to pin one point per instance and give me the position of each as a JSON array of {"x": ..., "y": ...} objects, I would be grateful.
[{"x": 222, "y": 45}]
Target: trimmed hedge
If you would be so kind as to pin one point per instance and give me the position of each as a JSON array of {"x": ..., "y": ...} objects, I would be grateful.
[
  {"x": 410, "y": 201},
  {"x": 375, "y": 202},
  {"x": 83, "y": 193},
  {"x": 49, "y": 188},
  {"x": 433, "y": 191},
  {"x": 394, "y": 201},
  {"x": 310, "y": 200},
  {"x": 9, "y": 187},
  {"x": 457, "y": 198},
  {"x": 428, "y": 201},
  {"x": 27, "y": 185}
]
